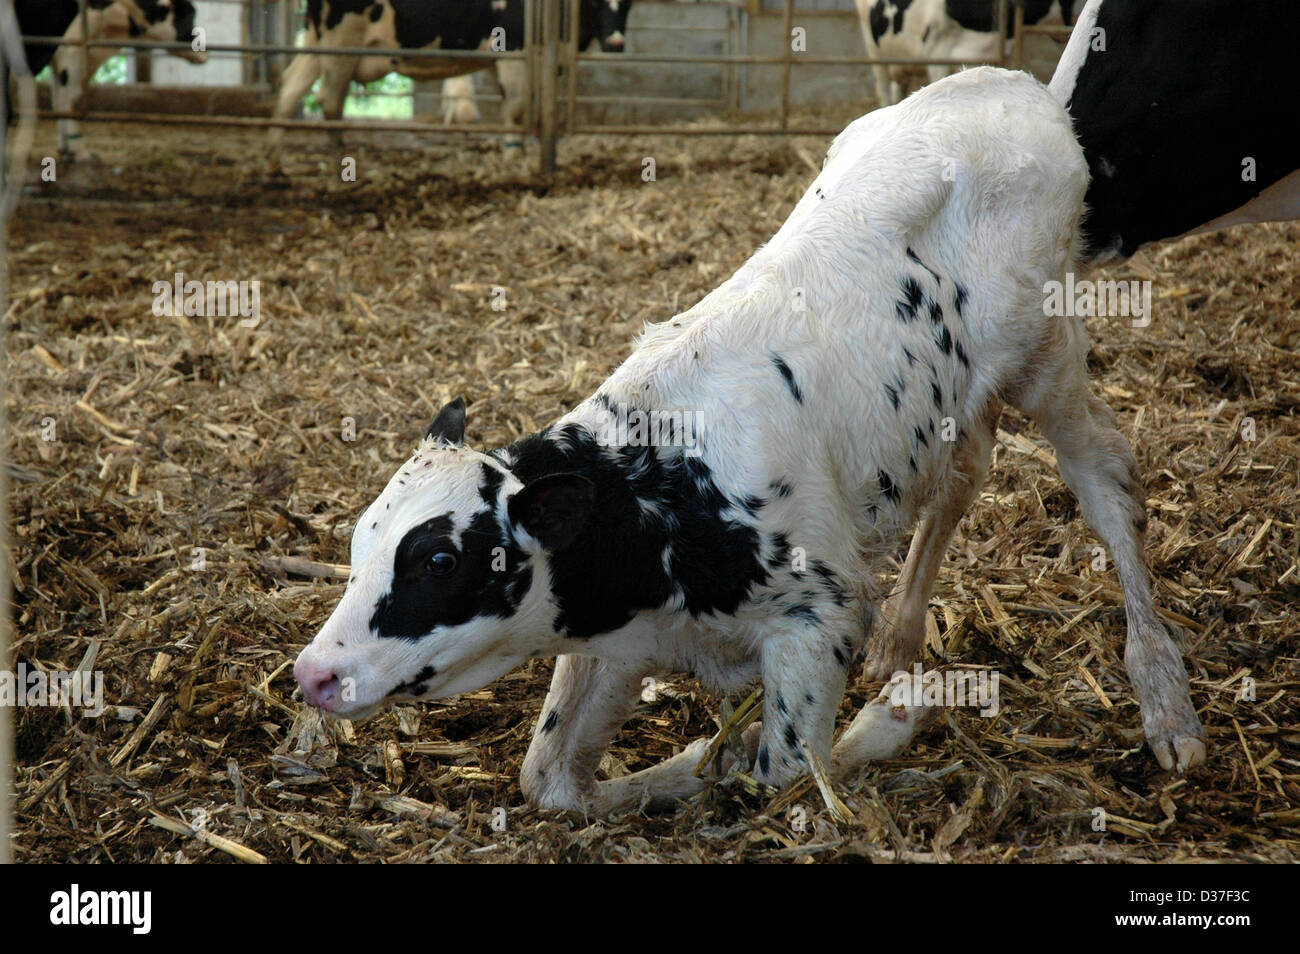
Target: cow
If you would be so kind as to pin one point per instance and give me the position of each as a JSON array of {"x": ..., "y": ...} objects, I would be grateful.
[
  {"x": 54, "y": 17},
  {"x": 164, "y": 21},
  {"x": 723, "y": 501},
  {"x": 601, "y": 24},
  {"x": 947, "y": 29},
  {"x": 1178, "y": 107},
  {"x": 425, "y": 24}
]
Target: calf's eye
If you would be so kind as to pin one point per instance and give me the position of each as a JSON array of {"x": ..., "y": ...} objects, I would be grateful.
[{"x": 442, "y": 563}]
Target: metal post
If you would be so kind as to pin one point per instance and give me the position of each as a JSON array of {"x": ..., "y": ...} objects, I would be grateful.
[
  {"x": 15, "y": 146},
  {"x": 83, "y": 104},
  {"x": 1018, "y": 47},
  {"x": 548, "y": 88},
  {"x": 1001, "y": 28},
  {"x": 786, "y": 62},
  {"x": 571, "y": 54}
]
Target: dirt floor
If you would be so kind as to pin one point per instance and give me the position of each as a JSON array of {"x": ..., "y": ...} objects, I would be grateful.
[{"x": 190, "y": 456}]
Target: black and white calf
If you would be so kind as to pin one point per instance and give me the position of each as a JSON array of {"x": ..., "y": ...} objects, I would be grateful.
[
  {"x": 802, "y": 412},
  {"x": 1184, "y": 111},
  {"x": 165, "y": 21},
  {"x": 432, "y": 24},
  {"x": 949, "y": 29}
]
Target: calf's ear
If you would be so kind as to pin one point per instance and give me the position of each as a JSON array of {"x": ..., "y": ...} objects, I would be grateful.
[
  {"x": 449, "y": 425},
  {"x": 553, "y": 509}
]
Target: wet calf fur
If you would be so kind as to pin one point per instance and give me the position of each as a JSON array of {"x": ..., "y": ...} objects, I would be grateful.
[{"x": 843, "y": 384}]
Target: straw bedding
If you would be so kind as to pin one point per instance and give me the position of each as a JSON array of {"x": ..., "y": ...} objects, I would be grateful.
[{"x": 179, "y": 533}]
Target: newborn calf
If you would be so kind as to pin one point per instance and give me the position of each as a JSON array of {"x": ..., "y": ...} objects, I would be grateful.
[{"x": 720, "y": 504}]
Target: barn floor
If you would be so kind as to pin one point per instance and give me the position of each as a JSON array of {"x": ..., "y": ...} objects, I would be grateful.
[{"x": 192, "y": 455}]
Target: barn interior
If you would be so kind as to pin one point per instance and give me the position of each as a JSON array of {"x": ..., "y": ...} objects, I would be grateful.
[{"x": 182, "y": 488}]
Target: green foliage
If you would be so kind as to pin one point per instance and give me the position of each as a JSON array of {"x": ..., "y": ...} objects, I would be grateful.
[
  {"x": 113, "y": 71},
  {"x": 386, "y": 98}
]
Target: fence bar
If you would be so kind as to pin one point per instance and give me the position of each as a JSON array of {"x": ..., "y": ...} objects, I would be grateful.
[
  {"x": 1018, "y": 56},
  {"x": 397, "y": 53},
  {"x": 786, "y": 62},
  {"x": 1001, "y": 27},
  {"x": 571, "y": 62},
  {"x": 266, "y": 122},
  {"x": 549, "y": 85}
]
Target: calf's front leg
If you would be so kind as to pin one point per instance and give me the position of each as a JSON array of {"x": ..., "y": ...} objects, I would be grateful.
[{"x": 588, "y": 702}]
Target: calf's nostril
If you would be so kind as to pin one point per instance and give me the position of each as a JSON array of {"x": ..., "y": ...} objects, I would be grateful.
[
  {"x": 320, "y": 687},
  {"x": 326, "y": 690}
]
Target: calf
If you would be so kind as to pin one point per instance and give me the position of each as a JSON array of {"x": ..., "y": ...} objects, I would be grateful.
[
  {"x": 946, "y": 29},
  {"x": 167, "y": 21},
  {"x": 424, "y": 24},
  {"x": 846, "y": 380},
  {"x": 1179, "y": 108}
]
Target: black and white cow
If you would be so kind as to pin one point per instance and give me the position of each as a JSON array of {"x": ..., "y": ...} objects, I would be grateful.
[
  {"x": 1186, "y": 113},
  {"x": 722, "y": 503},
  {"x": 416, "y": 24},
  {"x": 949, "y": 29},
  {"x": 165, "y": 21},
  {"x": 601, "y": 23}
]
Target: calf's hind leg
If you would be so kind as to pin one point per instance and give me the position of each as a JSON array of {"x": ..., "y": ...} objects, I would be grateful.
[
  {"x": 897, "y": 642},
  {"x": 1097, "y": 464}
]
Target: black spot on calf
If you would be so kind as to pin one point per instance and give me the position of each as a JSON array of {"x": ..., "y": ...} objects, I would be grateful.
[
  {"x": 788, "y": 375},
  {"x": 911, "y": 300},
  {"x": 888, "y": 488}
]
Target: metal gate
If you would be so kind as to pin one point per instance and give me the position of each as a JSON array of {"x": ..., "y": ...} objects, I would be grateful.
[{"x": 551, "y": 57}]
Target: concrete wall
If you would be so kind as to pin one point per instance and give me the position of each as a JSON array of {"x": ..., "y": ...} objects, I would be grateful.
[
  {"x": 224, "y": 23},
  {"x": 825, "y": 34},
  {"x": 723, "y": 28}
]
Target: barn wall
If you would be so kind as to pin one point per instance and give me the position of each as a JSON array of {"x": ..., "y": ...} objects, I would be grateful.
[
  {"x": 224, "y": 23},
  {"x": 828, "y": 32},
  {"x": 725, "y": 28}
]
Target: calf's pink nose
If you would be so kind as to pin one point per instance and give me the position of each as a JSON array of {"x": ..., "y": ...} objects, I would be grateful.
[{"x": 320, "y": 686}]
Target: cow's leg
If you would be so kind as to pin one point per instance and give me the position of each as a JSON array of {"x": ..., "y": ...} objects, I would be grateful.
[
  {"x": 336, "y": 77},
  {"x": 513, "y": 77},
  {"x": 898, "y": 641},
  {"x": 1098, "y": 465},
  {"x": 806, "y": 655},
  {"x": 936, "y": 73},
  {"x": 588, "y": 702},
  {"x": 883, "y": 727},
  {"x": 888, "y": 91},
  {"x": 65, "y": 91},
  {"x": 294, "y": 85},
  {"x": 458, "y": 100}
]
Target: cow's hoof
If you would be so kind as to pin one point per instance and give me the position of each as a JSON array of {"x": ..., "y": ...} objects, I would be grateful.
[{"x": 1179, "y": 753}]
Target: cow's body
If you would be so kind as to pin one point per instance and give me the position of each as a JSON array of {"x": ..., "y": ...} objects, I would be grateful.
[
  {"x": 899, "y": 304},
  {"x": 1181, "y": 107},
  {"x": 164, "y": 21},
  {"x": 168, "y": 22},
  {"x": 947, "y": 29},
  {"x": 425, "y": 24}
]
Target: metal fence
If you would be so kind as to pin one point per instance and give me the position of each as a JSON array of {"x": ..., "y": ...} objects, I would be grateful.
[{"x": 552, "y": 59}]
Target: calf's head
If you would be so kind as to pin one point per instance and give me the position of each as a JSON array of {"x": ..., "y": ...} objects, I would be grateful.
[{"x": 450, "y": 586}]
